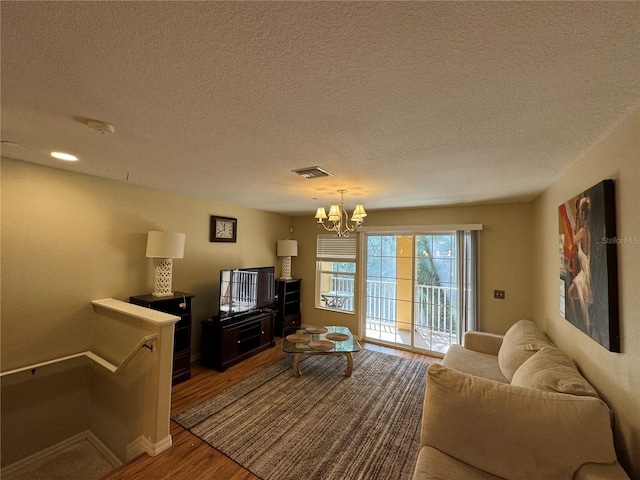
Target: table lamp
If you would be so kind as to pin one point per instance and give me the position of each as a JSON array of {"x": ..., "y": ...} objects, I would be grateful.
[
  {"x": 164, "y": 247},
  {"x": 287, "y": 249}
]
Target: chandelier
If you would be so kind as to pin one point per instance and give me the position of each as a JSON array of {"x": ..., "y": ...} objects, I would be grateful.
[{"x": 339, "y": 218}]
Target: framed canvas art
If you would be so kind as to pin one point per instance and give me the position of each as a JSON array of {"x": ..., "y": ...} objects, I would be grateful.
[{"x": 588, "y": 264}]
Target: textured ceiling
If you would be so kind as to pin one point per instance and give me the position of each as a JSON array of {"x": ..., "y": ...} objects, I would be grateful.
[{"x": 407, "y": 103}]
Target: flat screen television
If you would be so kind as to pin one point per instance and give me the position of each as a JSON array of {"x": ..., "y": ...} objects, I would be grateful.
[{"x": 243, "y": 290}]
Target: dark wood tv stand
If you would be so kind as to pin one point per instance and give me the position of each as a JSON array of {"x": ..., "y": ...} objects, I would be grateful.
[{"x": 228, "y": 341}]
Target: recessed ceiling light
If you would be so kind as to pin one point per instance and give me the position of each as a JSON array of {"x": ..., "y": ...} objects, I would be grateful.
[{"x": 64, "y": 156}]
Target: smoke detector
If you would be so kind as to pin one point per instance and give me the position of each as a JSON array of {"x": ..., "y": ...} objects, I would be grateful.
[
  {"x": 312, "y": 172},
  {"x": 101, "y": 127}
]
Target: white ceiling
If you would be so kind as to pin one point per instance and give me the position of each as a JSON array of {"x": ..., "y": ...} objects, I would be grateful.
[{"x": 406, "y": 103}]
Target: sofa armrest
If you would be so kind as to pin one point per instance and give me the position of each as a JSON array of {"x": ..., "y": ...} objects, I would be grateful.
[{"x": 482, "y": 342}]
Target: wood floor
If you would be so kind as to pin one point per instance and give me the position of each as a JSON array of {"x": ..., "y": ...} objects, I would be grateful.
[{"x": 189, "y": 458}]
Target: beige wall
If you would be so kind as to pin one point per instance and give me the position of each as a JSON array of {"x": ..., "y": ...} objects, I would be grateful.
[
  {"x": 504, "y": 251},
  {"x": 615, "y": 375},
  {"x": 29, "y": 424},
  {"x": 69, "y": 238}
]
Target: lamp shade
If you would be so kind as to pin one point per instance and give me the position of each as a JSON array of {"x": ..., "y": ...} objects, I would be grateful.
[
  {"x": 334, "y": 213},
  {"x": 287, "y": 248},
  {"x": 321, "y": 214},
  {"x": 165, "y": 245},
  {"x": 359, "y": 213}
]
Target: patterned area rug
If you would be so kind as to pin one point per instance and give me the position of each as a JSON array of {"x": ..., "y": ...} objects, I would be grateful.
[{"x": 322, "y": 425}]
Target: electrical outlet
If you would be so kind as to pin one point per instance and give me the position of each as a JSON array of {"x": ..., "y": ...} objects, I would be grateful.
[{"x": 498, "y": 294}]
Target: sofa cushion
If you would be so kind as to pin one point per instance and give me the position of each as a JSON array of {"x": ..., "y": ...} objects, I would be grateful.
[
  {"x": 549, "y": 369},
  {"x": 473, "y": 363},
  {"x": 513, "y": 432},
  {"x": 432, "y": 464},
  {"x": 520, "y": 342}
]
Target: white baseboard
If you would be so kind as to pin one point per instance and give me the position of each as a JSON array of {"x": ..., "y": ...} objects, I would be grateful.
[
  {"x": 46, "y": 455},
  {"x": 142, "y": 444},
  {"x": 104, "y": 451}
]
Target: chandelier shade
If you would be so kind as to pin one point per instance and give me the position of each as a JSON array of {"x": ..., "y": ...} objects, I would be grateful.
[
  {"x": 358, "y": 214},
  {"x": 321, "y": 214}
]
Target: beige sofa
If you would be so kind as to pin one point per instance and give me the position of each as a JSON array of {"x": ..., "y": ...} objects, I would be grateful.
[{"x": 513, "y": 407}]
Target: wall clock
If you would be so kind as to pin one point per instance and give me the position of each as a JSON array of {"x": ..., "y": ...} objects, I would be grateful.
[{"x": 223, "y": 229}]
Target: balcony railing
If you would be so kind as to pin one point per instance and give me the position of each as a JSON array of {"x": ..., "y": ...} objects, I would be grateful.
[
  {"x": 435, "y": 313},
  {"x": 340, "y": 296}
]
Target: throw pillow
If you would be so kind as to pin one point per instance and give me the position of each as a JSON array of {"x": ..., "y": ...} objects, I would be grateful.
[
  {"x": 520, "y": 342},
  {"x": 550, "y": 370}
]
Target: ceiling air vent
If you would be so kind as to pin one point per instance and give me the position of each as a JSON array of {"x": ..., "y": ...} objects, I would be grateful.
[{"x": 312, "y": 172}]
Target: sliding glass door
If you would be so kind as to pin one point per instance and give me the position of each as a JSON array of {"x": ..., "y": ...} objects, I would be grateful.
[{"x": 418, "y": 289}]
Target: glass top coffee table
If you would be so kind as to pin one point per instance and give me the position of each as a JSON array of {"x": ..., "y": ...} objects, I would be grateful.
[{"x": 319, "y": 341}]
